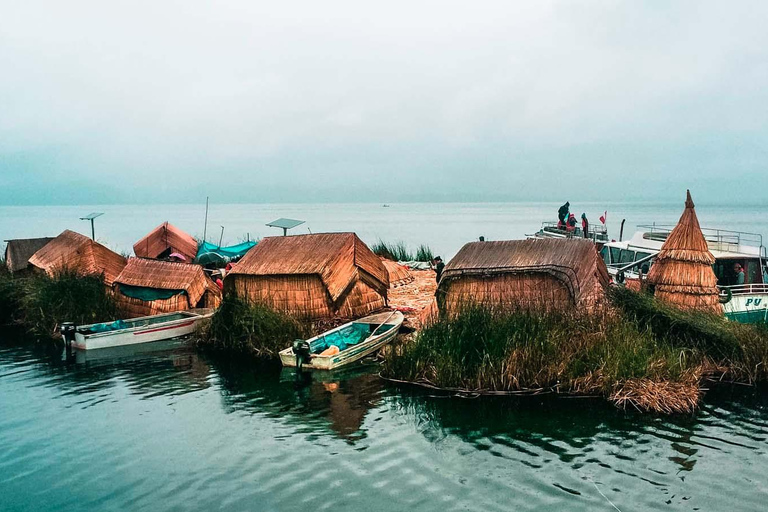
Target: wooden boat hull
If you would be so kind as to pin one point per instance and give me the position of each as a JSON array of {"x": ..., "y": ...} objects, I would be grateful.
[
  {"x": 392, "y": 322},
  {"x": 142, "y": 330}
]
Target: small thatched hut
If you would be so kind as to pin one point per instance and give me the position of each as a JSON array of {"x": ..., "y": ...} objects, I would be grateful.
[
  {"x": 165, "y": 240},
  {"x": 398, "y": 274},
  {"x": 682, "y": 274},
  {"x": 77, "y": 252},
  {"x": 536, "y": 273},
  {"x": 315, "y": 276},
  {"x": 18, "y": 252},
  {"x": 149, "y": 287}
]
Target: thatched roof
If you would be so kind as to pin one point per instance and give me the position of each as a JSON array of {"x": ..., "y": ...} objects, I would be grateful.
[
  {"x": 164, "y": 240},
  {"x": 575, "y": 262},
  {"x": 398, "y": 274},
  {"x": 166, "y": 275},
  {"x": 18, "y": 252},
  {"x": 78, "y": 252},
  {"x": 337, "y": 258},
  {"x": 682, "y": 273}
]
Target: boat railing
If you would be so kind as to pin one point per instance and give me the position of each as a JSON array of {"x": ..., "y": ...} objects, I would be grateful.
[
  {"x": 746, "y": 289},
  {"x": 718, "y": 239},
  {"x": 597, "y": 233}
]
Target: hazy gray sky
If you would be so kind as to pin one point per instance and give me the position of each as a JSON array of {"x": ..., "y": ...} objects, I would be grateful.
[{"x": 134, "y": 101}]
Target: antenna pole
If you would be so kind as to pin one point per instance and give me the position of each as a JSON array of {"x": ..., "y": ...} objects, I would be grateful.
[
  {"x": 205, "y": 229},
  {"x": 221, "y": 237},
  {"x": 93, "y": 231}
]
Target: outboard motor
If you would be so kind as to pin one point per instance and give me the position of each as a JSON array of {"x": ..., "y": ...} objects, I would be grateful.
[
  {"x": 302, "y": 351},
  {"x": 68, "y": 330}
]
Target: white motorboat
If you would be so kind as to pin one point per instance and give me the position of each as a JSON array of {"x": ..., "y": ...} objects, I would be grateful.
[
  {"x": 135, "y": 330},
  {"x": 353, "y": 341}
]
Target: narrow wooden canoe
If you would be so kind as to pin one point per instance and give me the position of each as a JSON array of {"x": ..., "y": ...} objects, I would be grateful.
[
  {"x": 355, "y": 340},
  {"x": 139, "y": 330}
]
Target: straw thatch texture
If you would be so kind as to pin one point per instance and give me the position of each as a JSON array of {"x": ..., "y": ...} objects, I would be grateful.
[
  {"x": 682, "y": 274},
  {"x": 313, "y": 276},
  {"x": 164, "y": 240},
  {"x": 18, "y": 252},
  {"x": 194, "y": 287},
  {"x": 79, "y": 253},
  {"x": 535, "y": 273},
  {"x": 398, "y": 274}
]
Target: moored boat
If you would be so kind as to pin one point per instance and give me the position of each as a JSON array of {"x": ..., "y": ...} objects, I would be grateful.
[
  {"x": 598, "y": 233},
  {"x": 353, "y": 341},
  {"x": 630, "y": 260},
  {"x": 136, "y": 330}
]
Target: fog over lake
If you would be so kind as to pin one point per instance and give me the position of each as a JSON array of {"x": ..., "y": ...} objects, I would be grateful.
[{"x": 141, "y": 102}]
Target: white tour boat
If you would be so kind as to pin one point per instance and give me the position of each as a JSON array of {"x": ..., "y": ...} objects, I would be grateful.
[
  {"x": 135, "y": 330},
  {"x": 747, "y": 302},
  {"x": 353, "y": 341}
]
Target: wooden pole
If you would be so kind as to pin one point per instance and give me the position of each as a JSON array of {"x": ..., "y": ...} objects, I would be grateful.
[{"x": 205, "y": 229}]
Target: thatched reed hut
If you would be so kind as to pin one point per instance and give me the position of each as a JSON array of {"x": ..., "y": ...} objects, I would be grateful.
[
  {"x": 165, "y": 240},
  {"x": 18, "y": 252},
  {"x": 398, "y": 274},
  {"x": 79, "y": 253},
  {"x": 535, "y": 273},
  {"x": 682, "y": 274},
  {"x": 316, "y": 276},
  {"x": 149, "y": 287}
]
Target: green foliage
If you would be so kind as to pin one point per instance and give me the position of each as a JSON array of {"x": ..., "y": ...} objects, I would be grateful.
[
  {"x": 239, "y": 326},
  {"x": 634, "y": 338},
  {"x": 489, "y": 349},
  {"x": 11, "y": 293},
  {"x": 399, "y": 251},
  {"x": 66, "y": 297},
  {"x": 424, "y": 253}
]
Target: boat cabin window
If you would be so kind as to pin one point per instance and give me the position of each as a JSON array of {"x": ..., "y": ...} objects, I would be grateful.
[
  {"x": 605, "y": 255},
  {"x": 615, "y": 251},
  {"x": 646, "y": 265},
  {"x": 626, "y": 256},
  {"x": 726, "y": 275}
]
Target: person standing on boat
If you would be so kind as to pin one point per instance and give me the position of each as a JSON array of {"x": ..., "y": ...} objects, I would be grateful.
[
  {"x": 562, "y": 213},
  {"x": 571, "y": 223},
  {"x": 584, "y": 225},
  {"x": 739, "y": 274},
  {"x": 438, "y": 265}
]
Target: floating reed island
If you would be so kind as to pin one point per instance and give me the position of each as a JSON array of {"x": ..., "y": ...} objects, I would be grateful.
[{"x": 537, "y": 316}]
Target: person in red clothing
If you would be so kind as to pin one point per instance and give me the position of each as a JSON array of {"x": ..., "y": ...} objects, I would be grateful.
[{"x": 571, "y": 224}]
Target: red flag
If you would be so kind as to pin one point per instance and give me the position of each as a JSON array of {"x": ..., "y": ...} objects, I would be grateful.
[{"x": 604, "y": 216}]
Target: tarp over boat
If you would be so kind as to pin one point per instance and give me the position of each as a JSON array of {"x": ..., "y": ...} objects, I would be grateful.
[{"x": 209, "y": 253}]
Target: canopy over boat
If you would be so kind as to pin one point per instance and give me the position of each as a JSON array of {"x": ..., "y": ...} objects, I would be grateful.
[{"x": 209, "y": 253}]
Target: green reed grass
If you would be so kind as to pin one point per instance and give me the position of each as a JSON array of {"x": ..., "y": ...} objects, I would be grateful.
[
  {"x": 11, "y": 294},
  {"x": 633, "y": 339},
  {"x": 255, "y": 329},
  {"x": 67, "y": 296},
  {"x": 399, "y": 251}
]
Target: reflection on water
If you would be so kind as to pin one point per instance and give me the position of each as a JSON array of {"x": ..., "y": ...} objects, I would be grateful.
[{"x": 162, "y": 427}]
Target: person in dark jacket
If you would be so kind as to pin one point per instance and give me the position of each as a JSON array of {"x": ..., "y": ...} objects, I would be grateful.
[
  {"x": 438, "y": 265},
  {"x": 562, "y": 213},
  {"x": 584, "y": 225}
]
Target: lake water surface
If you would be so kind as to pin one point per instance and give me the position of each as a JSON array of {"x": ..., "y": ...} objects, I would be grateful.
[{"x": 173, "y": 430}]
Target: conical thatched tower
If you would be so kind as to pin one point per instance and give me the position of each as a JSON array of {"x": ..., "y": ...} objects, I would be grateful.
[{"x": 682, "y": 273}]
